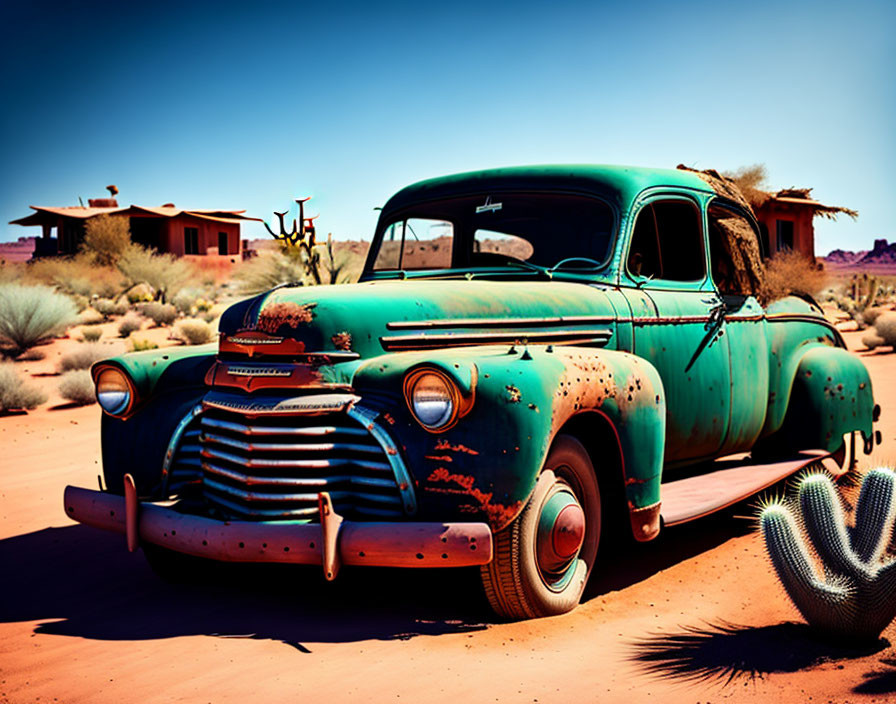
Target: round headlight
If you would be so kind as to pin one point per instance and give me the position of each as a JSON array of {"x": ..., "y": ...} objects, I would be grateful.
[
  {"x": 114, "y": 391},
  {"x": 433, "y": 398}
]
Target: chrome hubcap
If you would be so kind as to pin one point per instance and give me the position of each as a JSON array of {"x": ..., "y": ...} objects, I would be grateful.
[{"x": 561, "y": 532}]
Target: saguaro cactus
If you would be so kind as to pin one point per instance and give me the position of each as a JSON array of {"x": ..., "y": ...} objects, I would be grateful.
[{"x": 856, "y": 598}]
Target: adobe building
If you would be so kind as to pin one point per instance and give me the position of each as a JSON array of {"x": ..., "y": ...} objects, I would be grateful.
[
  {"x": 166, "y": 228},
  {"x": 786, "y": 219}
]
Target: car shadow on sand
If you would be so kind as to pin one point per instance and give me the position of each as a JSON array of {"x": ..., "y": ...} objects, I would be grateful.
[
  {"x": 723, "y": 652},
  {"x": 79, "y": 581}
]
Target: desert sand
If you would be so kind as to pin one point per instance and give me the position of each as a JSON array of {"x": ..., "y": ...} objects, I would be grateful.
[{"x": 695, "y": 617}]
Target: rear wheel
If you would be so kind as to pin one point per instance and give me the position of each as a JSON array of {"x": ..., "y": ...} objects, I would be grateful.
[{"x": 543, "y": 559}]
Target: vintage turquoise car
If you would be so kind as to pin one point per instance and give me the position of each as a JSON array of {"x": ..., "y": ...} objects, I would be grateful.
[{"x": 535, "y": 361}]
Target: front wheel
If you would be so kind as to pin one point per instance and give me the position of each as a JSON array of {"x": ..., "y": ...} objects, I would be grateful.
[{"x": 542, "y": 560}]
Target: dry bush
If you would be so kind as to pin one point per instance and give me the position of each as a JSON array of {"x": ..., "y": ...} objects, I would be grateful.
[
  {"x": 885, "y": 327},
  {"x": 872, "y": 340},
  {"x": 870, "y": 316},
  {"x": 31, "y": 314},
  {"x": 194, "y": 332},
  {"x": 89, "y": 316},
  {"x": 185, "y": 300},
  {"x": 165, "y": 274},
  {"x": 104, "y": 306},
  {"x": 78, "y": 275},
  {"x": 83, "y": 357},
  {"x": 750, "y": 180},
  {"x": 270, "y": 269},
  {"x": 91, "y": 333},
  {"x": 15, "y": 394},
  {"x": 106, "y": 238},
  {"x": 142, "y": 345},
  {"x": 790, "y": 272},
  {"x": 129, "y": 323},
  {"x": 159, "y": 313},
  {"x": 77, "y": 387}
]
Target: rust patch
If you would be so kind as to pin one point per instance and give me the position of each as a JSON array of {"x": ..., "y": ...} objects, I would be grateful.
[
  {"x": 273, "y": 317},
  {"x": 439, "y": 458},
  {"x": 465, "y": 485},
  {"x": 445, "y": 445},
  {"x": 513, "y": 393},
  {"x": 342, "y": 341}
]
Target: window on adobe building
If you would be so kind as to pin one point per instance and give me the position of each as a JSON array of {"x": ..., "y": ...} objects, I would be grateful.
[
  {"x": 784, "y": 230},
  {"x": 191, "y": 240}
]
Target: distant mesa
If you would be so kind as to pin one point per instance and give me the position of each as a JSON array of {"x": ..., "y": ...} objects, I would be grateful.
[{"x": 883, "y": 253}]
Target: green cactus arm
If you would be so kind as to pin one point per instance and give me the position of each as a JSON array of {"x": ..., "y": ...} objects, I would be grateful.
[
  {"x": 825, "y": 522},
  {"x": 875, "y": 515},
  {"x": 815, "y": 600}
]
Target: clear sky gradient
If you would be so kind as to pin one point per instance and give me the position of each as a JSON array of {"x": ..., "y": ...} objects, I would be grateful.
[{"x": 212, "y": 106}]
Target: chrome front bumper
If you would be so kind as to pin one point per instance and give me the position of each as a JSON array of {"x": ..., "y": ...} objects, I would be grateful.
[{"x": 331, "y": 543}]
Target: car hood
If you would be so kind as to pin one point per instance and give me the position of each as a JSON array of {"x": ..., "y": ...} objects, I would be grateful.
[{"x": 372, "y": 318}]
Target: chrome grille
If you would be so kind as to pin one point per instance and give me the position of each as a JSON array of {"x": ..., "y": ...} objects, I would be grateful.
[
  {"x": 274, "y": 466},
  {"x": 183, "y": 463}
]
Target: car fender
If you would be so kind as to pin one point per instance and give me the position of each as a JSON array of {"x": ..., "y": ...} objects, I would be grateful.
[{"x": 487, "y": 463}]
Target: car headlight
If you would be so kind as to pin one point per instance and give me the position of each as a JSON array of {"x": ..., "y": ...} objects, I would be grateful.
[
  {"x": 114, "y": 390},
  {"x": 433, "y": 398}
]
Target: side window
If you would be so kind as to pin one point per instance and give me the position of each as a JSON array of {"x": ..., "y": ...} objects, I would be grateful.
[
  {"x": 667, "y": 242},
  {"x": 734, "y": 255},
  {"x": 416, "y": 243}
]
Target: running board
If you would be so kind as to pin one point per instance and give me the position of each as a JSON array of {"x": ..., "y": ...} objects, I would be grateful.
[{"x": 735, "y": 480}]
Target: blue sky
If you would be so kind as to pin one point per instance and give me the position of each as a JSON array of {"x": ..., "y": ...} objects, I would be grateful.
[{"x": 209, "y": 106}]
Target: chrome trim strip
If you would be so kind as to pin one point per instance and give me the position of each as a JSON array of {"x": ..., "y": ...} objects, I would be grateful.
[
  {"x": 289, "y": 447},
  {"x": 499, "y": 322},
  {"x": 424, "y": 340},
  {"x": 310, "y": 483},
  {"x": 253, "y": 463},
  {"x": 172, "y": 445},
  {"x": 300, "y": 498},
  {"x": 367, "y": 419},
  {"x": 310, "y": 431}
]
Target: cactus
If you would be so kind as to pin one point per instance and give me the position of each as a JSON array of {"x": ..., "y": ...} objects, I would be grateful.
[{"x": 857, "y": 596}]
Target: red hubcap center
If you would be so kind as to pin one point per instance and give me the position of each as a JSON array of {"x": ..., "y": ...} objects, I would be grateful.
[{"x": 568, "y": 532}]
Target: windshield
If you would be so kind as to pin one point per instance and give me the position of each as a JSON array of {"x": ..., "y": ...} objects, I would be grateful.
[{"x": 547, "y": 230}]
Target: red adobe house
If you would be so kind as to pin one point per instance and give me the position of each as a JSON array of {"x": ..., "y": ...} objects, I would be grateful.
[
  {"x": 165, "y": 229},
  {"x": 786, "y": 219}
]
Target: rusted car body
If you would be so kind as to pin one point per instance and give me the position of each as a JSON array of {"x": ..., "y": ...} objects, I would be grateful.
[{"x": 535, "y": 361}]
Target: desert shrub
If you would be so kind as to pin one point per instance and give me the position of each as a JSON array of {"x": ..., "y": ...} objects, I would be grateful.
[
  {"x": 89, "y": 316},
  {"x": 210, "y": 316},
  {"x": 106, "y": 238},
  {"x": 15, "y": 393},
  {"x": 185, "y": 300},
  {"x": 129, "y": 323},
  {"x": 163, "y": 273},
  {"x": 30, "y": 314},
  {"x": 78, "y": 275},
  {"x": 83, "y": 357},
  {"x": 790, "y": 272},
  {"x": 270, "y": 269},
  {"x": 91, "y": 333},
  {"x": 885, "y": 327},
  {"x": 194, "y": 332},
  {"x": 872, "y": 340},
  {"x": 870, "y": 316},
  {"x": 77, "y": 386},
  {"x": 81, "y": 302},
  {"x": 159, "y": 313},
  {"x": 104, "y": 306},
  {"x": 142, "y": 345}
]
